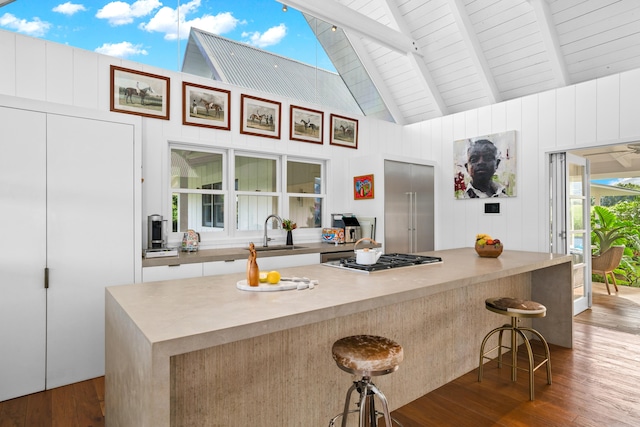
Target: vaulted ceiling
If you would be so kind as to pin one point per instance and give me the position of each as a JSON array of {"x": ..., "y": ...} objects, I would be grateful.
[{"x": 430, "y": 58}]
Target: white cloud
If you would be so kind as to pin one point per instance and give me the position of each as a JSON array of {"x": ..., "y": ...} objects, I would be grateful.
[
  {"x": 166, "y": 21},
  {"x": 273, "y": 35},
  {"x": 121, "y": 50},
  {"x": 35, "y": 28},
  {"x": 121, "y": 13},
  {"x": 69, "y": 8}
]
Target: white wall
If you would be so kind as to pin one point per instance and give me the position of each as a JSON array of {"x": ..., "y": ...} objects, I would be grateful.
[{"x": 599, "y": 112}]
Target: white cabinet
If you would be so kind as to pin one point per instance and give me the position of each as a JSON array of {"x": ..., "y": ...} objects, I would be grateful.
[
  {"x": 67, "y": 192},
  {"x": 23, "y": 253},
  {"x": 224, "y": 267},
  {"x": 214, "y": 268},
  {"x": 274, "y": 263},
  {"x": 171, "y": 272}
]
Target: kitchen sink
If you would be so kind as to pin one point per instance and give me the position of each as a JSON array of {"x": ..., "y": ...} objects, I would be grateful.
[{"x": 278, "y": 248}]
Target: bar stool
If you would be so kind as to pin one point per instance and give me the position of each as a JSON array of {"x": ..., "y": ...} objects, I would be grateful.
[
  {"x": 367, "y": 356},
  {"x": 516, "y": 309}
]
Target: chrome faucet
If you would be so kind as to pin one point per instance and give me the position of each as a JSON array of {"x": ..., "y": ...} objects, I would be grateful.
[{"x": 265, "y": 242}]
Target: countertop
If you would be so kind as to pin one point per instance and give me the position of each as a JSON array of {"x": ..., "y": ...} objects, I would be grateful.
[
  {"x": 213, "y": 309},
  {"x": 229, "y": 254}
]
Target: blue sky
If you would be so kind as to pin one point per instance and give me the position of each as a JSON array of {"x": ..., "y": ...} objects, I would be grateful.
[{"x": 146, "y": 31}]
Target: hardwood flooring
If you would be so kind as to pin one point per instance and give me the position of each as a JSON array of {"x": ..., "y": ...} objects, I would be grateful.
[{"x": 594, "y": 384}]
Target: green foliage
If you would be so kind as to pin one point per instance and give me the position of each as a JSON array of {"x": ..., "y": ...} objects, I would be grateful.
[{"x": 608, "y": 229}]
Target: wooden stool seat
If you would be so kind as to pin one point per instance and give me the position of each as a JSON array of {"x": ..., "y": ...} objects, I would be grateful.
[
  {"x": 367, "y": 356},
  {"x": 515, "y": 306}
]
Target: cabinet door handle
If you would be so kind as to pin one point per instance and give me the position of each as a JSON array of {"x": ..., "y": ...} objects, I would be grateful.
[{"x": 46, "y": 277}]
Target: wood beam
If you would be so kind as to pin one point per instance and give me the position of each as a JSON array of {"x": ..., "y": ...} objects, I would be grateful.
[
  {"x": 417, "y": 61},
  {"x": 550, "y": 38},
  {"x": 475, "y": 50},
  {"x": 355, "y": 23}
]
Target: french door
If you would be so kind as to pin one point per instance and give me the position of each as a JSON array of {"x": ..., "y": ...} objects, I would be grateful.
[{"x": 570, "y": 221}]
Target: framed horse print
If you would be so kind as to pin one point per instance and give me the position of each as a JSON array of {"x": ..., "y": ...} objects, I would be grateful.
[
  {"x": 205, "y": 106},
  {"x": 306, "y": 125},
  {"x": 344, "y": 131},
  {"x": 260, "y": 117},
  {"x": 140, "y": 93}
]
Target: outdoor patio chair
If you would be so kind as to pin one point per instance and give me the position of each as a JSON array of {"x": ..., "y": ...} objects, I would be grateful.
[{"x": 607, "y": 262}]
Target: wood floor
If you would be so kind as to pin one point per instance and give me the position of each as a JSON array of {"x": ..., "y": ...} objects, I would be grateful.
[{"x": 595, "y": 384}]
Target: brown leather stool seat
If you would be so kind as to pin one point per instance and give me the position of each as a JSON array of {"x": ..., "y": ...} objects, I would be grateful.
[
  {"x": 367, "y": 356},
  {"x": 516, "y": 309}
]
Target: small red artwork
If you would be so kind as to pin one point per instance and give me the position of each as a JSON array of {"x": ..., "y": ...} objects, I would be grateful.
[{"x": 363, "y": 187}]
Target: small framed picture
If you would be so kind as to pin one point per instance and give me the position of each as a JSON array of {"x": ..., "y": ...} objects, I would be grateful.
[
  {"x": 140, "y": 93},
  {"x": 306, "y": 125},
  {"x": 205, "y": 106},
  {"x": 259, "y": 117},
  {"x": 344, "y": 131},
  {"x": 363, "y": 187}
]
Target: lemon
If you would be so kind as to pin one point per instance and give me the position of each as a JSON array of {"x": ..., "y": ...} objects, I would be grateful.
[
  {"x": 273, "y": 277},
  {"x": 263, "y": 277}
]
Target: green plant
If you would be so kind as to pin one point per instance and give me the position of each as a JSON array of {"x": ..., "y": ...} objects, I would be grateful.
[
  {"x": 289, "y": 225},
  {"x": 607, "y": 230}
]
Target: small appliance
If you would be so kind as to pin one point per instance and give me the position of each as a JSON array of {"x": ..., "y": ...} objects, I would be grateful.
[
  {"x": 157, "y": 238},
  {"x": 157, "y": 232},
  {"x": 350, "y": 224}
]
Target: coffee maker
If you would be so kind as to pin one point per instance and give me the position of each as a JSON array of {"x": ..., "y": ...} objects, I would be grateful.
[{"x": 156, "y": 232}]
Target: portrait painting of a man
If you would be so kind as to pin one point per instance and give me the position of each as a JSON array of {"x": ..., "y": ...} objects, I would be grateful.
[{"x": 485, "y": 166}]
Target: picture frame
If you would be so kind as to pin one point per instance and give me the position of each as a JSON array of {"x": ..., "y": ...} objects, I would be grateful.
[
  {"x": 206, "y": 106},
  {"x": 306, "y": 125},
  {"x": 260, "y": 117},
  {"x": 139, "y": 93},
  {"x": 344, "y": 131},
  {"x": 476, "y": 177},
  {"x": 363, "y": 187}
]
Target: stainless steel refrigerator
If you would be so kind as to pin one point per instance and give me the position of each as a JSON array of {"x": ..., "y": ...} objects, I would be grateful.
[{"x": 408, "y": 207}]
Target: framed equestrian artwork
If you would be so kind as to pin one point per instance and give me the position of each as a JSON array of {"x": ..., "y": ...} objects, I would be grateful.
[
  {"x": 205, "y": 106},
  {"x": 344, "y": 131},
  {"x": 306, "y": 125},
  {"x": 259, "y": 117},
  {"x": 140, "y": 93}
]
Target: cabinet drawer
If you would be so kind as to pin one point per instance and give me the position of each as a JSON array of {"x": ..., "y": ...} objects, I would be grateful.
[
  {"x": 224, "y": 267},
  {"x": 277, "y": 262},
  {"x": 170, "y": 272}
]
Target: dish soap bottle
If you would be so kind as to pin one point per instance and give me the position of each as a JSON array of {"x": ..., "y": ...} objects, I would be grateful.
[{"x": 253, "y": 272}]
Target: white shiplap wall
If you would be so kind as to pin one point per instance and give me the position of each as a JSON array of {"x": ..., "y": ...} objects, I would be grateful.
[{"x": 592, "y": 113}]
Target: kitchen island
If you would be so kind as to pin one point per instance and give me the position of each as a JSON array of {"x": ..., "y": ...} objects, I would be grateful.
[{"x": 202, "y": 352}]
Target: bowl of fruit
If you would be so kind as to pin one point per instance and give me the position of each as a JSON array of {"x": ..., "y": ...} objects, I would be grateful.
[{"x": 488, "y": 247}]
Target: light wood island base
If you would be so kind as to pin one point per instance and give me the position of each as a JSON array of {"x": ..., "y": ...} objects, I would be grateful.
[{"x": 201, "y": 352}]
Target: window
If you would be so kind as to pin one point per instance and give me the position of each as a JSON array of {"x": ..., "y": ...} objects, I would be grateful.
[
  {"x": 304, "y": 187},
  {"x": 257, "y": 195},
  {"x": 197, "y": 190},
  {"x": 259, "y": 185}
]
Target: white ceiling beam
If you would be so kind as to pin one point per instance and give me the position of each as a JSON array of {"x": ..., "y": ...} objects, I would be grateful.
[
  {"x": 475, "y": 50},
  {"x": 376, "y": 78},
  {"x": 622, "y": 159},
  {"x": 417, "y": 61},
  {"x": 355, "y": 23},
  {"x": 550, "y": 38}
]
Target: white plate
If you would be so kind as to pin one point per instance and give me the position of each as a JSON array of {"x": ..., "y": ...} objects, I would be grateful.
[{"x": 282, "y": 285}]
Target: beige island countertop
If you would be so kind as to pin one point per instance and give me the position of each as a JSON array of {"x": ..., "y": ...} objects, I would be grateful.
[{"x": 202, "y": 352}]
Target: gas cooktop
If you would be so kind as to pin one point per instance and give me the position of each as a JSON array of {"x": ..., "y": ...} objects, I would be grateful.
[{"x": 385, "y": 262}]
